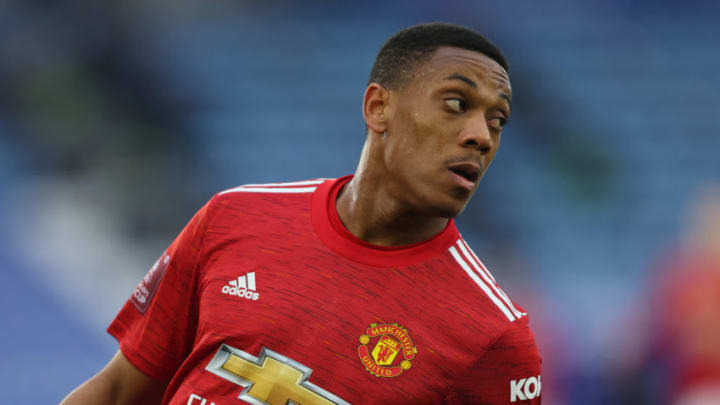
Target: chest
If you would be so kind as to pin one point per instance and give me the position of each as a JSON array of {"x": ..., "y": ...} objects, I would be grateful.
[{"x": 293, "y": 314}]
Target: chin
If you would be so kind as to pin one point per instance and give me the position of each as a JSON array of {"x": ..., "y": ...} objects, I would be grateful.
[
  {"x": 457, "y": 203},
  {"x": 449, "y": 209},
  {"x": 443, "y": 204}
]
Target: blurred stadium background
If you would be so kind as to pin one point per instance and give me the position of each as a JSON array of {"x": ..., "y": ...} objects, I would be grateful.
[{"x": 600, "y": 214}]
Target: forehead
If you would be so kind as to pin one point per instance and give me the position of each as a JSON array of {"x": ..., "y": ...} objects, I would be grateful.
[{"x": 479, "y": 67}]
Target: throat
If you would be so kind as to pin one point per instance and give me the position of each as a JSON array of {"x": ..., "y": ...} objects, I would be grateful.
[
  {"x": 380, "y": 224},
  {"x": 402, "y": 236}
]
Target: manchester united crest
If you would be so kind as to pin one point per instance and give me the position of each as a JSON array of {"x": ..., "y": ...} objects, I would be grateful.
[{"x": 386, "y": 350}]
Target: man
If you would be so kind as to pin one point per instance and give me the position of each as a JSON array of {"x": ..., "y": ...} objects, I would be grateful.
[{"x": 352, "y": 290}]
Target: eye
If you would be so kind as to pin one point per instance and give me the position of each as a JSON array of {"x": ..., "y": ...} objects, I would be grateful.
[
  {"x": 497, "y": 123},
  {"x": 456, "y": 104}
]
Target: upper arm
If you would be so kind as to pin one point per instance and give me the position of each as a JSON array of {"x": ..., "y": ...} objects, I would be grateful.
[
  {"x": 119, "y": 383},
  {"x": 155, "y": 327},
  {"x": 508, "y": 372}
]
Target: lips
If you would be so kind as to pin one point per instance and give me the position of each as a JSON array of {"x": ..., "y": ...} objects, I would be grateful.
[
  {"x": 467, "y": 170},
  {"x": 466, "y": 174}
]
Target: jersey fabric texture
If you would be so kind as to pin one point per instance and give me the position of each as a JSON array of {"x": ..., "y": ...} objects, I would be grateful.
[{"x": 265, "y": 297}]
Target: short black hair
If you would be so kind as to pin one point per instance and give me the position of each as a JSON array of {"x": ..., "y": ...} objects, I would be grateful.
[{"x": 404, "y": 51}]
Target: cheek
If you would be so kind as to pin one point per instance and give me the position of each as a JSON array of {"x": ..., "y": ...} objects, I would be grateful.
[
  {"x": 417, "y": 147},
  {"x": 418, "y": 140},
  {"x": 426, "y": 135}
]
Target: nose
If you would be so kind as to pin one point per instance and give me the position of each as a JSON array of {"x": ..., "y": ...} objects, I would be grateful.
[{"x": 477, "y": 135}]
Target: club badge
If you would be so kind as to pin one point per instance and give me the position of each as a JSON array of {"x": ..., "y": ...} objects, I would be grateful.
[{"x": 386, "y": 350}]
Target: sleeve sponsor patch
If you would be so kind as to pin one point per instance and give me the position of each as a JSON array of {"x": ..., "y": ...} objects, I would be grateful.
[{"x": 145, "y": 290}]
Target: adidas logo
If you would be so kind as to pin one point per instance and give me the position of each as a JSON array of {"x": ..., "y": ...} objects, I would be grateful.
[{"x": 244, "y": 287}]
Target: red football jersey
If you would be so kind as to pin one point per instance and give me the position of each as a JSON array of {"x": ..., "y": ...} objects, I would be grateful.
[{"x": 265, "y": 297}]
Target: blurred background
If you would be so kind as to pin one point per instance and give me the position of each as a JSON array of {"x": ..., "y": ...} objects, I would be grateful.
[{"x": 600, "y": 215}]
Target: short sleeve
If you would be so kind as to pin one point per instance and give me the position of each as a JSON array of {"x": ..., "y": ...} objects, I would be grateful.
[
  {"x": 507, "y": 373},
  {"x": 156, "y": 326}
]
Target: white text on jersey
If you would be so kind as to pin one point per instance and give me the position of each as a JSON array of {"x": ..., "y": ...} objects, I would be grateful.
[
  {"x": 525, "y": 388},
  {"x": 200, "y": 400},
  {"x": 244, "y": 287}
]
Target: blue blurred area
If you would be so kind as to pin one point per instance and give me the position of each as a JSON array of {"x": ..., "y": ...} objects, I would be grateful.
[
  {"x": 119, "y": 120},
  {"x": 46, "y": 351}
]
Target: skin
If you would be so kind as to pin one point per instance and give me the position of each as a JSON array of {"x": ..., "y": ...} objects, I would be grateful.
[
  {"x": 118, "y": 383},
  {"x": 451, "y": 112}
]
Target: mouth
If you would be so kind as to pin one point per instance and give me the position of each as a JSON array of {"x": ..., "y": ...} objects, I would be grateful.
[{"x": 465, "y": 174}]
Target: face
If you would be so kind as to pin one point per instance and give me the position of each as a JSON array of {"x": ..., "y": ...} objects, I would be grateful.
[{"x": 443, "y": 130}]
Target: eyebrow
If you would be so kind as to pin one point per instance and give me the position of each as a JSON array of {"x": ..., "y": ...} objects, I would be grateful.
[
  {"x": 458, "y": 76},
  {"x": 471, "y": 83}
]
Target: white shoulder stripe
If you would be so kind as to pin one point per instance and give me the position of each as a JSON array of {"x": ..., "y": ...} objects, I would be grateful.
[
  {"x": 243, "y": 189},
  {"x": 287, "y": 184},
  {"x": 481, "y": 284},
  {"x": 477, "y": 260},
  {"x": 483, "y": 271},
  {"x": 499, "y": 290}
]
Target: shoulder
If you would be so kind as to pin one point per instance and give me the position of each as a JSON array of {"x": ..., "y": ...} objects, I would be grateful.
[
  {"x": 478, "y": 278},
  {"x": 258, "y": 204},
  {"x": 513, "y": 343},
  {"x": 261, "y": 197},
  {"x": 293, "y": 187}
]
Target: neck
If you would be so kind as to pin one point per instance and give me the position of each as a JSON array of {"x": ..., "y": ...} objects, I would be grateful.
[{"x": 370, "y": 211}]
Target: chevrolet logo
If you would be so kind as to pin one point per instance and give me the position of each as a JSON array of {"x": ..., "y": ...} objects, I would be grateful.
[{"x": 270, "y": 378}]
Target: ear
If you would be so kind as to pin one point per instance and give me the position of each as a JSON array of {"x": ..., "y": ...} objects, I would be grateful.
[{"x": 375, "y": 103}]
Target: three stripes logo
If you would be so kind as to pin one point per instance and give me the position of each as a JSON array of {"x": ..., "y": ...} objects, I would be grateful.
[
  {"x": 243, "y": 287},
  {"x": 477, "y": 271}
]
